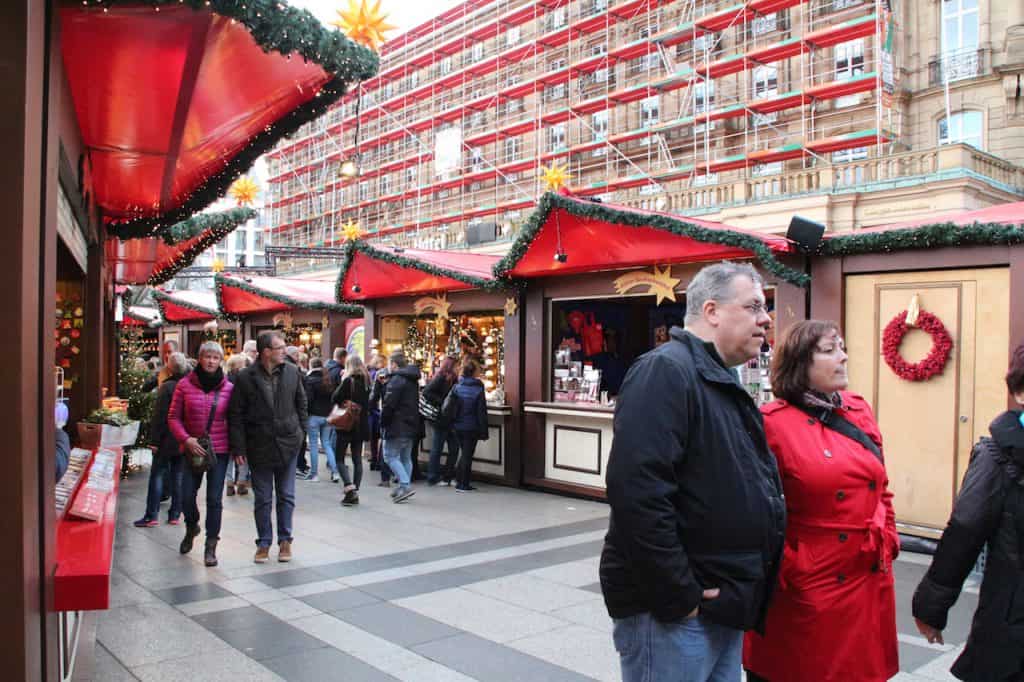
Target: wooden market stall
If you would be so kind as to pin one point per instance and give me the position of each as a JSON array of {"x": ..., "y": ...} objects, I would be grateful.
[
  {"x": 192, "y": 317},
  {"x": 604, "y": 285},
  {"x": 304, "y": 310},
  {"x": 966, "y": 272},
  {"x": 437, "y": 303}
]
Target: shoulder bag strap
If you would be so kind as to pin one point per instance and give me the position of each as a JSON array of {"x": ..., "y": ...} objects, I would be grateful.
[
  {"x": 835, "y": 421},
  {"x": 213, "y": 410}
]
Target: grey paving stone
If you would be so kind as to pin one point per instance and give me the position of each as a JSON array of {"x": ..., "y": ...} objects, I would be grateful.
[
  {"x": 338, "y": 600},
  {"x": 486, "y": 660},
  {"x": 298, "y": 576},
  {"x": 324, "y": 664},
  {"x": 913, "y": 657},
  {"x": 593, "y": 587},
  {"x": 270, "y": 640},
  {"x": 395, "y": 624},
  {"x": 108, "y": 668},
  {"x": 191, "y": 593},
  {"x": 401, "y": 588},
  {"x": 235, "y": 619}
]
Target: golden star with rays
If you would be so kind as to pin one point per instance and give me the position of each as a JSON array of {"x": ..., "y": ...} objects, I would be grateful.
[
  {"x": 511, "y": 307},
  {"x": 363, "y": 23},
  {"x": 217, "y": 265},
  {"x": 244, "y": 191},
  {"x": 554, "y": 177},
  {"x": 351, "y": 231},
  {"x": 664, "y": 284}
]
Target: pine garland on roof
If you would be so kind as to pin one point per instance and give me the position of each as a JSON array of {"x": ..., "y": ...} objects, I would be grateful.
[
  {"x": 186, "y": 257},
  {"x": 201, "y": 222},
  {"x": 610, "y": 214},
  {"x": 936, "y": 235},
  {"x": 343, "y": 308}
]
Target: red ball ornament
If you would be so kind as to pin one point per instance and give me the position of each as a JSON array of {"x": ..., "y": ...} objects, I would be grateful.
[{"x": 933, "y": 364}]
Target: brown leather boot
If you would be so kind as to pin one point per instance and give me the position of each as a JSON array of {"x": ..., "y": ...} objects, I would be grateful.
[
  {"x": 262, "y": 555},
  {"x": 284, "y": 552},
  {"x": 243, "y": 488}
]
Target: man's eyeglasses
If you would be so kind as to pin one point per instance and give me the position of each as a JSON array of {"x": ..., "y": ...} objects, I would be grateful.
[{"x": 755, "y": 309}]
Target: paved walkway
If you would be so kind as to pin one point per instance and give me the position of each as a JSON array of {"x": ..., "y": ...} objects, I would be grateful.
[{"x": 500, "y": 584}]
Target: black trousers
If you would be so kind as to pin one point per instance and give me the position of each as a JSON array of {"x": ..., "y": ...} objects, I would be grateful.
[
  {"x": 751, "y": 677},
  {"x": 467, "y": 448}
]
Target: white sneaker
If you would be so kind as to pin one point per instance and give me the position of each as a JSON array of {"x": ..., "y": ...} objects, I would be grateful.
[
  {"x": 313, "y": 479},
  {"x": 335, "y": 477}
]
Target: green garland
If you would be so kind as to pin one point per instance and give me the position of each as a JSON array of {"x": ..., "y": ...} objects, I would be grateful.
[
  {"x": 201, "y": 222},
  {"x": 628, "y": 218},
  {"x": 276, "y": 27},
  {"x": 412, "y": 264},
  {"x": 932, "y": 236},
  {"x": 185, "y": 258},
  {"x": 343, "y": 308},
  {"x": 162, "y": 297}
]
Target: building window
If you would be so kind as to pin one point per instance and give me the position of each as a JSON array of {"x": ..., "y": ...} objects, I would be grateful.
[
  {"x": 557, "y": 65},
  {"x": 554, "y": 93},
  {"x": 476, "y": 119},
  {"x": 850, "y": 175},
  {"x": 414, "y": 79},
  {"x": 765, "y": 23},
  {"x": 240, "y": 236},
  {"x": 476, "y": 159},
  {"x": 963, "y": 126},
  {"x": 512, "y": 36},
  {"x": 446, "y": 66},
  {"x": 598, "y": 49},
  {"x": 385, "y": 185},
  {"x": 650, "y": 111},
  {"x": 959, "y": 25},
  {"x": 513, "y": 147},
  {"x": 556, "y": 137},
  {"x": 411, "y": 176},
  {"x": 364, "y": 190},
  {"x": 766, "y": 82},
  {"x": 477, "y": 51},
  {"x": 557, "y": 18},
  {"x": 849, "y": 59},
  {"x": 599, "y": 124},
  {"x": 703, "y": 96}
]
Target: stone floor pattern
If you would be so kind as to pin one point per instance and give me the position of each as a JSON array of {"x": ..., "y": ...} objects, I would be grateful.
[{"x": 500, "y": 584}]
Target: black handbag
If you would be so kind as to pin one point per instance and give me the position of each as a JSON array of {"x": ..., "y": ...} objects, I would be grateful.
[
  {"x": 208, "y": 460},
  {"x": 835, "y": 421},
  {"x": 450, "y": 405}
]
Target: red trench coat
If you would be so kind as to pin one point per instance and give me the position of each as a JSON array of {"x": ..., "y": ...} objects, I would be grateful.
[{"x": 833, "y": 614}]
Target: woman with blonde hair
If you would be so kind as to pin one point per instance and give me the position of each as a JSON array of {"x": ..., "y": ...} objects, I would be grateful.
[{"x": 355, "y": 386}]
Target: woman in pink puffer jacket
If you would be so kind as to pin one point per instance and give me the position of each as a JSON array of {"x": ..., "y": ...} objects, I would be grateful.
[{"x": 187, "y": 420}]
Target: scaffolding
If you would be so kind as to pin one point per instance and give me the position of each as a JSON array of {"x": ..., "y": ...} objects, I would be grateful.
[{"x": 654, "y": 103}]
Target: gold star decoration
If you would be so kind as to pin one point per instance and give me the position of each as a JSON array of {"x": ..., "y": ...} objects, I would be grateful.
[
  {"x": 363, "y": 23},
  {"x": 351, "y": 231},
  {"x": 511, "y": 307},
  {"x": 217, "y": 265},
  {"x": 660, "y": 283},
  {"x": 244, "y": 191},
  {"x": 554, "y": 177}
]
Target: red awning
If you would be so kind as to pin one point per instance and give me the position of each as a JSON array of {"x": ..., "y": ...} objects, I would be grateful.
[
  {"x": 173, "y": 103},
  {"x": 599, "y": 236},
  {"x": 186, "y": 306},
  {"x": 369, "y": 273},
  {"x": 140, "y": 316},
  {"x": 238, "y": 295},
  {"x": 1003, "y": 214}
]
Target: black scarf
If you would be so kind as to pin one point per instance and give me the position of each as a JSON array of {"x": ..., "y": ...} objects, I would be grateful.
[{"x": 208, "y": 381}]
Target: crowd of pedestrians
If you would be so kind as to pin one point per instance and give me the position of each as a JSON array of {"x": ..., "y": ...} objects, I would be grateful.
[{"x": 251, "y": 420}]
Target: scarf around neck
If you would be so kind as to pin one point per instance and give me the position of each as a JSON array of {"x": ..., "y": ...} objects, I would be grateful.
[
  {"x": 208, "y": 381},
  {"x": 822, "y": 401}
]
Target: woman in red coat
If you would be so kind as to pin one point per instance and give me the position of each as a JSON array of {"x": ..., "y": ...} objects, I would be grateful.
[{"x": 833, "y": 614}]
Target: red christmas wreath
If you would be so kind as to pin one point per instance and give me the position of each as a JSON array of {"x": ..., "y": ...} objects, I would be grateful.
[{"x": 934, "y": 363}]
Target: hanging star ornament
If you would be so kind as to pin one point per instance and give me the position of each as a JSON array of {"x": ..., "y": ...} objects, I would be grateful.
[
  {"x": 554, "y": 177},
  {"x": 217, "y": 265},
  {"x": 244, "y": 191},
  {"x": 363, "y": 23},
  {"x": 351, "y": 231}
]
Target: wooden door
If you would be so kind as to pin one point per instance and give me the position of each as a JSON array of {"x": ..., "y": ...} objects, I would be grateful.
[{"x": 929, "y": 427}]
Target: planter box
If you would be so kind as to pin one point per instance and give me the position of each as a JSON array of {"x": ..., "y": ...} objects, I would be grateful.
[{"x": 94, "y": 435}]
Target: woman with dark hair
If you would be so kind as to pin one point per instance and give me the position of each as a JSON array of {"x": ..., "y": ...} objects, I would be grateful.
[
  {"x": 470, "y": 422},
  {"x": 435, "y": 392},
  {"x": 989, "y": 510},
  {"x": 355, "y": 386},
  {"x": 832, "y": 617}
]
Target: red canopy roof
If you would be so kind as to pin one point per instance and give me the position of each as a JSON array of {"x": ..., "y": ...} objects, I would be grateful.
[
  {"x": 599, "y": 236},
  {"x": 1004, "y": 214},
  {"x": 246, "y": 295},
  {"x": 368, "y": 273},
  {"x": 173, "y": 103},
  {"x": 186, "y": 306},
  {"x": 139, "y": 316},
  {"x": 153, "y": 261}
]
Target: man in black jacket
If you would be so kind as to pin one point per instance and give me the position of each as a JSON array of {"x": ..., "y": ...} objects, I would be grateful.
[
  {"x": 698, "y": 515},
  {"x": 400, "y": 421},
  {"x": 267, "y": 418}
]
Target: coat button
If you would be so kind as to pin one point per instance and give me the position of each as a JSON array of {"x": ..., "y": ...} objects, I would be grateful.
[
  {"x": 840, "y": 495},
  {"x": 874, "y": 569},
  {"x": 810, "y": 421},
  {"x": 842, "y": 537},
  {"x": 841, "y": 577},
  {"x": 871, "y": 485},
  {"x": 828, "y": 453}
]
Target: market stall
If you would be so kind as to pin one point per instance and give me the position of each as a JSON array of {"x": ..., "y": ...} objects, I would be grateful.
[
  {"x": 604, "y": 285},
  {"x": 304, "y": 310},
  {"x": 935, "y": 382},
  {"x": 437, "y": 303},
  {"x": 192, "y": 317}
]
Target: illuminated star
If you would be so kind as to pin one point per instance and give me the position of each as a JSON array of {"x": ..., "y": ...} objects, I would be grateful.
[
  {"x": 217, "y": 265},
  {"x": 554, "y": 177},
  {"x": 665, "y": 284},
  {"x": 363, "y": 23},
  {"x": 244, "y": 191},
  {"x": 351, "y": 231}
]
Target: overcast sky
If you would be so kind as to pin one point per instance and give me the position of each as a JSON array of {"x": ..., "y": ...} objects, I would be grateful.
[{"x": 405, "y": 14}]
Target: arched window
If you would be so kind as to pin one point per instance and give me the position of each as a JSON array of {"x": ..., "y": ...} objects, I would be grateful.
[{"x": 963, "y": 126}]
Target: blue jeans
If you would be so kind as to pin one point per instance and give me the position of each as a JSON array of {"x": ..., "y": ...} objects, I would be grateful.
[
  {"x": 237, "y": 473},
  {"x": 265, "y": 482},
  {"x": 190, "y": 482},
  {"x": 157, "y": 472},
  {"x": 691, "y": 650},
  {"x": 319, "y": 431},
  {"x": 441, "y": 436},
  {"x": 398, "y": 454}
]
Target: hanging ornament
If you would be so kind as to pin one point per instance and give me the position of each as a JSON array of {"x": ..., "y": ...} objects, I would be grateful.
[
  {"x": 661, "y": 283},
  {"x": 217, "y": 265},
  {"x": 554, "y": 177},
  {"x": 439, "y": 305},
  {"x": 363, "y": 23},
  {"x": 351, "y": 231},
  {"x": 244, "y": 191},
  {"x": 942, "y": 344},
  {"x": 511, "y": 307}
]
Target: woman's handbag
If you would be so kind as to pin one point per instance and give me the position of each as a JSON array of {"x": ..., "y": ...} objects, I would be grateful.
[
  {"x": 207, "y": 460},
  {"x": 429, "y": 410},
  {"x": 346, "y": 416},
  {"x": 450, "y": 406}
]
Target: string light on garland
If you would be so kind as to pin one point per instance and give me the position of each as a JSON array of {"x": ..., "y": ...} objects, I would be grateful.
[
  {"x": 363, "y": 23},
  {"x": 244, "y": 191}
]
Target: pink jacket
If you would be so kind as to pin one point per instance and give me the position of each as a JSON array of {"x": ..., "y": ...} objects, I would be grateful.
[{"x": 190, "y": 410}]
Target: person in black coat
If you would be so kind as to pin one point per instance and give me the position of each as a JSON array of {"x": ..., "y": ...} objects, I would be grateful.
[
  {"x": 470, "y": 421},
  {"x": 400, "y": 420},
  {"x": 166, "y": 455},
  {"x": 318, "y": 397},
  {"x": 434, "y": 393},
  {"x": 355, "y": 387},
  {"x": 989, "y": 510}
]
